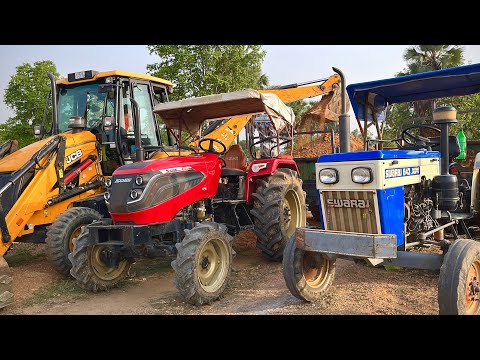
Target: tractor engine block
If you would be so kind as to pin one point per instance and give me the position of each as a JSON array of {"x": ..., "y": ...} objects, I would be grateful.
[{"x": 418, "y": 210}]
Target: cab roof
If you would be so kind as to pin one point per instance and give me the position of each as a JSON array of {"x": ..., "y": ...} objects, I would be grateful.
[
  {"x": 455, "y": 81},
  {"x": 189, "y": 114},
  {"x": 129, "y": 74}
]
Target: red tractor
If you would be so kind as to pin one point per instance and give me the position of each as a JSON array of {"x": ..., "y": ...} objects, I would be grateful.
[{"x": 189, "y": 205}]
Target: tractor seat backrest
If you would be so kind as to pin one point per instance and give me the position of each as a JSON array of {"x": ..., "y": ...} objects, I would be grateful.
[
  {"x": 453, "y": 146},
  {"x": 235, "y": 158}
]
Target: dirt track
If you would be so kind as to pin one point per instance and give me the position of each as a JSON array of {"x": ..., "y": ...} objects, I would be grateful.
[{"x": 256, "y": 287}]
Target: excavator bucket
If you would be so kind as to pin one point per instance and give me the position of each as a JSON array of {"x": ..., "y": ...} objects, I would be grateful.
[
  {"x": 6, "y": 289},
  {"x": 327, "y": 110}
]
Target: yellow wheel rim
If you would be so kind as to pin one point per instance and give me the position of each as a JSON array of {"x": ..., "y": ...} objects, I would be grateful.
[
  {"x": 472, "y": 290},
  {"x": 102, "y": 270},
  {"x": 213, "y": 264},
  {"x": 315, "y": 269},
  {"x": 292, "y": 213},
  {"x": 75, "y": 233}
]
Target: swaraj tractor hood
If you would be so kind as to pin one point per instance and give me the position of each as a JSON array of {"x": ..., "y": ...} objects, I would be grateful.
[
  {"x": 456, "y": 81},
  {"x": 189, "y": 114}
]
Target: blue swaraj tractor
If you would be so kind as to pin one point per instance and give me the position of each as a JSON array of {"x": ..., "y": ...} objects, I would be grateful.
[{"x": 382, "y": 206}]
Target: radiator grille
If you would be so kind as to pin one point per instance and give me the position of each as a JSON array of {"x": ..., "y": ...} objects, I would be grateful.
[{"x": 343, "y": 214}]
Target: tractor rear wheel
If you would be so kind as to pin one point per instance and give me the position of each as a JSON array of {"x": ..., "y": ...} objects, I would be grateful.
[
  {"x": 89, "y": 266},
  {"x": 63, "y": 231},
  {"x": 308, "y": 275},
  {"x": 6, "y": 288},
  {"x": 459, "y": 280},
  {"x": 279, "y": 208},
  {"x": 203, "y": 263}
]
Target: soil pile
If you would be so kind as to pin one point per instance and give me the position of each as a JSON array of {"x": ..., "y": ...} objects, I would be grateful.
[{"x": 322, "y": 145}]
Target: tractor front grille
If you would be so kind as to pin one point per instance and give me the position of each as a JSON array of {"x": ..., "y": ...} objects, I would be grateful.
[{"x": 350, "y": 211}]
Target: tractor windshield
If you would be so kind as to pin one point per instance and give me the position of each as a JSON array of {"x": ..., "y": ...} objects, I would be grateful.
[{"x": 85, "y": 101}]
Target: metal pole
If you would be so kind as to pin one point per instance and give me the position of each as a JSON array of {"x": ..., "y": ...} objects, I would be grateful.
[{"x": 344, "y": 118}]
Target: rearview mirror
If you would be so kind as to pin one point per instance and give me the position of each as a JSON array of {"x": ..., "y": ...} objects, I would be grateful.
[{"x": 38, "y": 131}]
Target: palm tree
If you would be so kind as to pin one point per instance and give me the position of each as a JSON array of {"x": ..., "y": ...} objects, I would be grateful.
[{"x": 423, "y": 58}]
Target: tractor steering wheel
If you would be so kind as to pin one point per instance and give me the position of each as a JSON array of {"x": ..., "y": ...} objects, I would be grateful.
[
  {"x": 211, "y": 149},
  {"x": 417, "y": 140}
]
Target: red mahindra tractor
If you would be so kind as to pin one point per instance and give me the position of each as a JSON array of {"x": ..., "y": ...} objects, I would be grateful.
[{"x": 189, "y": 205}]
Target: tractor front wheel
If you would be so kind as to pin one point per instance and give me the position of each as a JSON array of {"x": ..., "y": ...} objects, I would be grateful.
[
  {"x": 459, "y": 280},
  {"x": 92, "y": 265},
  {"x": 203, "y": 263},
  {"x": 308, "y": 275},
  {"x": 63, "y": 231},
  {"x": 279, "y": 208}
]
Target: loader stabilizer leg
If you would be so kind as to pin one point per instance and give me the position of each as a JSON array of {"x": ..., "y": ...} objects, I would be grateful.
[{"x": 6, "y": 288}]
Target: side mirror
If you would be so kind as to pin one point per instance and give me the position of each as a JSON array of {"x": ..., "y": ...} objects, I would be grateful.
[
  {"x": 108, "y": 122},
  {"x": 38, "y": 131}
]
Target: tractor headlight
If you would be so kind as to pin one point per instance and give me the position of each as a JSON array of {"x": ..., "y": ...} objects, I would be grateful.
[
  {"x": 108, "y": 182},
  {"x": 328, "y": 176},
  {"x": 135, "y": 193},
  {"x": 259, "y": 166},
  {"x": 106, "y": 196},
  {"x": 139, "y": 180},
  {"x": 362, "y": 175}
]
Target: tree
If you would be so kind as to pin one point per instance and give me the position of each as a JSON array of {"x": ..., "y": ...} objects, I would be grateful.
[
  {"x": 198, "y": 70},
  {"x": 26, "y": 94},
  {"x": 420, "y": 58},
  {"x": 423, "y": 58}
]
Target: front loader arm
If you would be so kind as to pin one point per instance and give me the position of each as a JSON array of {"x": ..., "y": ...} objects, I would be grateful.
[{"x": 228, "y": 131}]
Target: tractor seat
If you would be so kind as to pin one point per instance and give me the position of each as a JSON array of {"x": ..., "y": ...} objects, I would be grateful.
[{"x": 236, "y": 161}]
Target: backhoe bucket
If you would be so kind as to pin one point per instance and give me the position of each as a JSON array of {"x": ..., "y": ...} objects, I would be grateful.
[{"x": 6, "y": 289}]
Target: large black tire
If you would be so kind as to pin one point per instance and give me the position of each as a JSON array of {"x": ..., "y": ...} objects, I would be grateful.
[
  {"x": 88, "y": 268},
  {"x": 458, "y": 283},
  {"x": 308, "y": 275},
  {"x": 6, "y": 288},
  {"x": 61, "y": 234},
  {"x": 203, "y": 263},
  {"x": 279, "y": 208}
]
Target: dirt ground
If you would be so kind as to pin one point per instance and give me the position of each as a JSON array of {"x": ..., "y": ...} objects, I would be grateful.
[{"x": 256, "y": 287}]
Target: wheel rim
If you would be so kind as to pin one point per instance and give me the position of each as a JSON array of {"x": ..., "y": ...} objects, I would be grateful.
[
  {"x": 472, "y": 290},
  {"x": 102, "y": 270},
  {"x": 315, "y": 269},
  {"x": 213, "y": 265},
  {"x": 75, "y": 234},
  {"x": 292, "y": 214}
]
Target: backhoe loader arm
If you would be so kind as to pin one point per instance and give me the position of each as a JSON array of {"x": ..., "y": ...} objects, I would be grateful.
[{"x": 228, "y": 131}]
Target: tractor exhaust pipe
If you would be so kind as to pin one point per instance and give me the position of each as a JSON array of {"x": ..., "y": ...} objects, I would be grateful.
[
  {"x": 344, "y": 118},
  {"x": 445, "y": 185}
]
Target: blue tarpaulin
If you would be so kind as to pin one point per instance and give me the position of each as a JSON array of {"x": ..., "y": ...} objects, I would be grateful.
[{"x": 456, "y": 81}]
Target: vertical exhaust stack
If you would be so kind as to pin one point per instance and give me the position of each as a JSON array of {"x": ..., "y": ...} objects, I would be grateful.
[
  {"x": 344, "y": 118},
  {"x": 445, "y": 185}
]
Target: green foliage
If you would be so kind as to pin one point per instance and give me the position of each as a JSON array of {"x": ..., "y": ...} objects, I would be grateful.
[
  {"x": 470, "y": 122},
  {"x": 299, "y": 107},
  {"x": 199, "y": 70},
  {"x": 26, "y": 94},
  {"x": 423, "y": 58},
  {"x": 21, "y": 256},
  {"x": 65, "y": 289}
]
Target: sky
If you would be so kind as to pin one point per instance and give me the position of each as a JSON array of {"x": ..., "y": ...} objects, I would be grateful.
[{"x": 283, "y": 64}]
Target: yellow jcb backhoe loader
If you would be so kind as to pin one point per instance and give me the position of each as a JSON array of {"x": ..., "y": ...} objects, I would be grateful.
[{"x": 51, "y": 188}]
